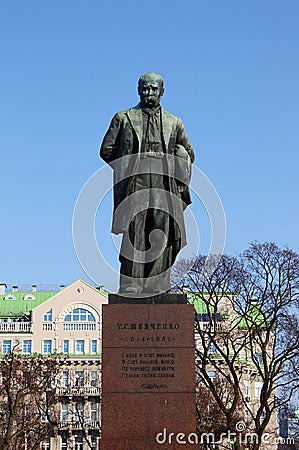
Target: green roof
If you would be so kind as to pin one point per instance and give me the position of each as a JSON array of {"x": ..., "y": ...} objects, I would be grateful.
[
  {"x": 198, "y": 303},
  {"x": 21, "y": 306},
  {"x": 253, "y": 317}
]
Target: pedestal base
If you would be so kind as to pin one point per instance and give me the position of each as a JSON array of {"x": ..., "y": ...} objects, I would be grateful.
[{"x": 148, "y": 377}]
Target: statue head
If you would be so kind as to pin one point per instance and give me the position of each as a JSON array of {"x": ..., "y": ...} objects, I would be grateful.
[{"x": 150, "y": 89}]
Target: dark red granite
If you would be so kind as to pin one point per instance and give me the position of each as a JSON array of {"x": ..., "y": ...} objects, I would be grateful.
[
  {"x": 174, "y": 322},
  {"x": 144, "y": 444},
  {"x": 152, "y": 369},
  {"x": 148, "y": 377}
]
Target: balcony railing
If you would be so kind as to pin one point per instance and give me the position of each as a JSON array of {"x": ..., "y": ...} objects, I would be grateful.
[
  {"x": 210, "y": 326},
  {"x": 78, "y": 390},
  {"x": 15, "y": 327},
  {"x": 82, "y": 326},
  {"x": 79, "y": 424}
]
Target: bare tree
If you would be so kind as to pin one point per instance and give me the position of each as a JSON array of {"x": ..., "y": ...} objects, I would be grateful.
[
  {"x": 27, "y": 399},
  {"x": 247, "y": 335},
  {"x": 79, "y": 414}
]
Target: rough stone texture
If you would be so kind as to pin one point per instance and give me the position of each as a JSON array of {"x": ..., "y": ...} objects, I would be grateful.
[{"x": 148, "y": 376}]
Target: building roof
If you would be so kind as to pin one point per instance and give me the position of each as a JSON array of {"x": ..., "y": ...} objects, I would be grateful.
[
  {"x": 198, "y": 303},
  {"x": 19, "y": 304},
  {"x": 253, "y": 317}
]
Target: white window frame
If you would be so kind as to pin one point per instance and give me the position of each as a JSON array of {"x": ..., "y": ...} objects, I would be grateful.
[
  {"x": 94, "y": 442},
  {"x": 46, "y": 445},
  {"x": 48, "y": 316},
  {"x": 258, "y": 385},
  {"x": 64, "y": 411},
  {"x": 246, "y": 388},
  {"x": 93, "y": 378},
  {"x": 63, "y": 445},
  {"x": 47, "y": 342},
  {"x": 93, "y": 410},
  {"x": 80, "y": 315},
  {"x": 212, "y": 375},
  {"x": 79, "y": 378},
  {"x": 6, "y": 346},
  {"x": 66, "y": 344},
  {"x": 94, "y": 342},
  {"x": 65, "y": 378},
  {"x": 25, "y": 343},
  {"x": 78, "y": 350},
  {"x": 79, "y": 411}
]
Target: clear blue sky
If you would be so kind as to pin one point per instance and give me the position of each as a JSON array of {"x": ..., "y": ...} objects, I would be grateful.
[{"x": 231, "y": 71}]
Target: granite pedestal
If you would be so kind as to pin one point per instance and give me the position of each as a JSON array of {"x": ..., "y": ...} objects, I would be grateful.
[{"x": 148, "y": 375}]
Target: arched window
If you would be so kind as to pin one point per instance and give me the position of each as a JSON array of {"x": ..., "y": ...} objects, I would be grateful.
[
  {"x": 29, "y": 297},
  {"x": 79, "y": 319},
  {"x": 10, "y": 297},
  {"x": 79, "y": 315}
]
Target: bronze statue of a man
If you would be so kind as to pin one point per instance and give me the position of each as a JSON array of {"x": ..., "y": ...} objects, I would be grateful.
[{"x": 151, "y": 156}]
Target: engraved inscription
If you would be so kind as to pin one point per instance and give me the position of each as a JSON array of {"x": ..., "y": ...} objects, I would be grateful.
[
  {"x": 148, "y": 326},
  {"x": 156, "y": 367},
  {"x": 148, "y": 339},
  {"x": 142, "y": 332}
]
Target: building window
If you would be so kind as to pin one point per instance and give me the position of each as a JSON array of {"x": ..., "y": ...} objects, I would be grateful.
[
  {"x": 47, "y": 346},
  {"x": 63, "y": 445},
  {"x": 66, "y": 346},
  {"x": 79, "y": 315},
  {"x": 79, "y": 445},
  {"x": 46, "y": 444},
  {"x": 212, "y": 348},
  {"x": 6, "y": 346},
  {"x": 29, "y": 297},
  {"x": 94, "y": 346},
  {"x": 246, "y": 388},
  {"x": 258, "y": 388},
  {"x": 80, "y": 346},
  {"x": 44, "y": 413},
  {"x": 93, "y": 411},
  {"x": 79, "y": 378},
  {"x": 79, "y": 411},
  {"x": 64, "y": 411},
  {"x": 259, "y": 359},
  {"x": 93, "y": 377},
  {"x": 94, "y": 442},
  {"x": 65, "y": 378},
  {"x": 10, "y": 297},
  {"x": 48, "y": 316},
  {"x": 206, "y": 317},
  {"x": 27, "y": 346},
  {"x": 212, "y": 375}
]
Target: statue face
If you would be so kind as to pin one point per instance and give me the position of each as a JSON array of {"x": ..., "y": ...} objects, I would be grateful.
[{"x": 150, "y": 92}]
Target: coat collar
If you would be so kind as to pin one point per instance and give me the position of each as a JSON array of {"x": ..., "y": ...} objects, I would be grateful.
[{"x": 135, "y": 117}]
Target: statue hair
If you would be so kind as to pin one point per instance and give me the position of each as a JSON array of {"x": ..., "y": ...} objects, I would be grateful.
[{"x": 150, "y": 74}]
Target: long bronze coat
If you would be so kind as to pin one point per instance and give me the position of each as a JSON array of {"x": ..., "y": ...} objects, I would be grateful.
[{"x": 124, "y": 139}]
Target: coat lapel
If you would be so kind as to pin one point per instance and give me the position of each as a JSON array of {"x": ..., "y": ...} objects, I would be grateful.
[
  {"x": 135, "y": 117},
  {"x": 167, "y": 124}
]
